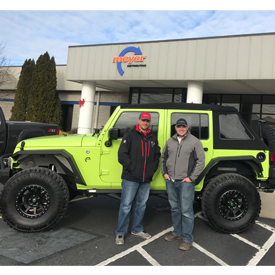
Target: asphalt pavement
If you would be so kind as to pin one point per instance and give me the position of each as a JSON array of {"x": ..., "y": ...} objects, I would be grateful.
[{"x": 86, "y": 237}]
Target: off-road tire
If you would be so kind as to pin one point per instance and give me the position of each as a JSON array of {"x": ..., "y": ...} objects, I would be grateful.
[
  {"x": 231, "y": 203},
  {"x": 34, "y": 200},
  {"x": 268, "y": 132}
]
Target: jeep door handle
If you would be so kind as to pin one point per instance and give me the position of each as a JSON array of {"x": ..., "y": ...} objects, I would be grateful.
[{"x": 205, "y": 149}]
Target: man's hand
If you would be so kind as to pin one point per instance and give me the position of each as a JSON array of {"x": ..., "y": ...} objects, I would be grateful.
[
  {"x": 186, "y": 180},
  {"x": 166, "y": 176}
]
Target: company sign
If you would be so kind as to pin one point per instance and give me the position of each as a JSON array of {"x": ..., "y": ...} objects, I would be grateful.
[{"x": 137, "y": 57}]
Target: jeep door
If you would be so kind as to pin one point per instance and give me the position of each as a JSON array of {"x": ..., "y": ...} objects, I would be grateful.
[
  {"x": 200, "y": 125},
  {"x": 110, "y": 168}
]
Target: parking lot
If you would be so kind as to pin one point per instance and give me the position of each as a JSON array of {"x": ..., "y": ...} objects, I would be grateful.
[{"x": 85, "y": 237}]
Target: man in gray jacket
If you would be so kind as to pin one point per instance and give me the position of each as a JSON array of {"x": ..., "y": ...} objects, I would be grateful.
[{"x": 182, "y": 161}]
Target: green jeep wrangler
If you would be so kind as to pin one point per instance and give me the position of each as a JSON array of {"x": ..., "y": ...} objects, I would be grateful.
[{"x": 44, "y": 173}]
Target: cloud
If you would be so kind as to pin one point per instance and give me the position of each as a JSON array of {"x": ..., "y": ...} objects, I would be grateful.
[{"x": 27, "y": 34}]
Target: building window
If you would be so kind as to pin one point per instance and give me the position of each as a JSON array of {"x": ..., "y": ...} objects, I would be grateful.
[
  {"x": 212, "y": 99},
  {"x": 67, "y": 114},
  {"x": 135, "y": 98},
  {"x": 231, "y": 100},
  {"x": 268, "y": 109},
  {"x": 251, "y": 110},
  {"x": 251, "y": 107},
  {"x": 157, "y": 95},
  {"x": 179, "y": 95}
]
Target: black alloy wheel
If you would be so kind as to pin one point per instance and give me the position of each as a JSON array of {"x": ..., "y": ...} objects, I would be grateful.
[
  {"x": 34, "y": 200},
  {"x": 231, "y": 203}
]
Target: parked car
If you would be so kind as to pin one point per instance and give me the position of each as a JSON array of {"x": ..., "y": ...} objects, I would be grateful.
[{"x": 12, "y": 132}]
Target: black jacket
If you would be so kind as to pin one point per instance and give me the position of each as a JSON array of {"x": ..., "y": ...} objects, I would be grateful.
[{"x": 139, "y": 155}]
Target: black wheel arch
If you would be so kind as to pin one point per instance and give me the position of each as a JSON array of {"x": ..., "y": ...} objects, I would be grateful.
[
  {"x": 37, "y": 158},
  {"x": 247, "y": 166}
]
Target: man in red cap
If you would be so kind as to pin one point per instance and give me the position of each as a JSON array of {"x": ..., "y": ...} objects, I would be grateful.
[{"x": 139, "y": 155}]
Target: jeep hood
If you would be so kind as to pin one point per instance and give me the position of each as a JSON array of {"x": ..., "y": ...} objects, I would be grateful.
[{"x": 57, "y": 142}]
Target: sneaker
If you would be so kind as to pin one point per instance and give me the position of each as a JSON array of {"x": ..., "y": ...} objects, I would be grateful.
[
  {"x": 142, "y": 234},
  {"x": 119, "y": 240},
  {"x": 172, "y": 237},
  {"x": 185, "y": 246}
]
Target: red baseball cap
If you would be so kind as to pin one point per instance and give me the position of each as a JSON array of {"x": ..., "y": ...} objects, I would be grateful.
[{"x": 144, "y": 116}]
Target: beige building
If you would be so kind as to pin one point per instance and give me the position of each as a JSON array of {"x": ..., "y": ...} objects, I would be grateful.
[
  {"x": 237, "y": 71},
  {"x": 231, "y": 70}
]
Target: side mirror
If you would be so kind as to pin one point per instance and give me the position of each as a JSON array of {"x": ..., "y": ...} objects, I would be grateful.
[{"x": 113, "y": 134}]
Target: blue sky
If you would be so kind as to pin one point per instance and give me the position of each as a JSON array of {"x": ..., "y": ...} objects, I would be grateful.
[{"x": 31, "y": 30}]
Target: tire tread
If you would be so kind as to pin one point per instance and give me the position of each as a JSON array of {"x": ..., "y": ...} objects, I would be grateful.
[
  {"x": 220, "y": 182},
  {"x": 61, "y": 190}
]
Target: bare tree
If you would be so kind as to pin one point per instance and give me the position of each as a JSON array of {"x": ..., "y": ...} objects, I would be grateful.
[{"x": 6, "y": 72}]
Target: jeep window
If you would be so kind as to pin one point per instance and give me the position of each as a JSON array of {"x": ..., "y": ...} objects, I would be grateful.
[
  {"x": 198, "y": 124},
  {"x": 127, "y": 120},
  {"x": 231, "y": 127}
]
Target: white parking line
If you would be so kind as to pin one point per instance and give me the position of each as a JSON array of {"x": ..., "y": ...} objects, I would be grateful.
[
  {"x": 148, "y": 257},
  {"x": 209, "y": 254},
  {"x": 151, "y": 260},
  {"x": 134, "y": 248},
  {"x": 262, "y": 250},
  {"x": 246, "y": 241},
  {"x": 270, "y": 228},
  {"x": 253, "y": 262},
  {"x": 260, "y": 254}
]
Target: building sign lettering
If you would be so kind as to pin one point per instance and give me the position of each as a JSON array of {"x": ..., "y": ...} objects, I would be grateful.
[{"x": 138, "y": 57}]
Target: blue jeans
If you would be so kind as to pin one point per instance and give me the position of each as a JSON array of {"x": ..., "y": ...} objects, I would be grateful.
[
  {"x": 134, "y": 196},
  {"x": 181, "y": 199}
]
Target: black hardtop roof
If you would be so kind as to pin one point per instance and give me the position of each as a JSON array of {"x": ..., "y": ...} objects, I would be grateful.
[{"x": 183, "y": 106}]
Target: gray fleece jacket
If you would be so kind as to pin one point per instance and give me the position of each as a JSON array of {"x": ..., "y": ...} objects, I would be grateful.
[{"x": 184, "y": 159}]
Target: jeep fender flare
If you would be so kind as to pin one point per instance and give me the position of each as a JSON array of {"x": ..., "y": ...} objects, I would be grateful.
[
  {"x": 76, "y": 175},
  {"x": 250, "y": 160}
]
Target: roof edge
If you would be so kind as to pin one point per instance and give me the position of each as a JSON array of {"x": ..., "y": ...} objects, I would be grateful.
[
  {"x": 175, "y": 40},
  {"x": 183, "y": 106}
]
